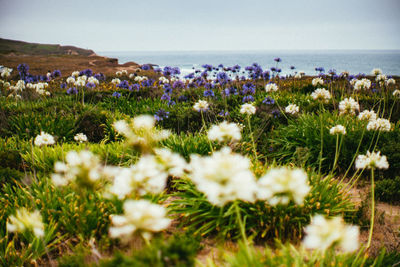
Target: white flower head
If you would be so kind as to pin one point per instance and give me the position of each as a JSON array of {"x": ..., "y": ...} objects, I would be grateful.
[
  {"x": 292, "y": 109},
  {"x": 363, "y": 84},
  {"x": 139, "y": 215},
  {"x": 201, "y": 105},
  {"x": 248, "y": 109},
  {"x": 80, "y": 138},
  {"x": 44, "y": 139},
  {"x": 271, "y": 87},
  {"x": 321, "y": 94},
  {"x": 338, "y": 129},
  {"x": 376, "y": 72},
  {"x": 24, "y": 220},
  {"x": 367, "y": 115},
  {"x": 115, "y": 81},
  {"x": 280, "y": 185},
  {"x": 390, "y": 81},
  {"x": 317, "y": 81},
  {"x": 396, "y": 93},
  {"x": 348, "y": 106},
  {"x": 223, "y": 177},
  {"x": 372, "y": 160},
  {"x": 324, "y": 233},
  {"x": 379, "y": 124},
  {"x": 225, "y": 132}
]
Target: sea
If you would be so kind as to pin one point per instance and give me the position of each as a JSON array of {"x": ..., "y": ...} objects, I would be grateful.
[{"x": 353, "y": 61}]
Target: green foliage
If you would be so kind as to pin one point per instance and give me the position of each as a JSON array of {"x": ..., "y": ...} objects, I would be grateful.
[
  {"x": 178, "y": 250},
  {"x": 261, "y": 220},
  {"x": 388, "y": 190}
]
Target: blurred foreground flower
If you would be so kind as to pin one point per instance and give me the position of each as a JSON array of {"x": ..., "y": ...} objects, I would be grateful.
[
  {"x": 139, "y": 215},
  {"x": 324, "y": 233},
  {"x": 24, "y": 220}
]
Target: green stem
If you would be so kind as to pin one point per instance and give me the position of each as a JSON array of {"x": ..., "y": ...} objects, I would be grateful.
[
  {"x": 242, "y": 228},
  {"x": 205, "y": 127},
  {"x": 372, "y": 207},
  {"x": 336, "y": 153},
  {"x": 355, "y": 155},
  {"x": 322, "y": 141},
  {"x": 252, "y": 138}
]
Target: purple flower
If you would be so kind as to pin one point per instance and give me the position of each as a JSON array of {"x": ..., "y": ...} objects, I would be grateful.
[
  {"x": 268, "y": 101},
  {"x": 165, "y": 97},
  {"x": 100, "y": 76},
  {"x": 167, "y": 88},
  {"x": 135, "y": 87},
  {"x": 124, "y": 84},
  {"x": 72, "y": 90},
  {"x": 209, "y": 93},
  {"x": 171, "y": 103},
  {"x": 63, "y": 85},
  {"x": 116, "y": 94},
  {"x": 161, "y": 114},
  {"x": 248, "y": 98},
  {"x": 292, "y": 67},
  {"x": 278, "y": 59},
  {"x": 56, "y": 73},
  {"x": 87, "y": 72},
  {"x": 182, "y": 98},
  {"x": 223, "y": 113},
  {"x": 145, "y": 67},
  {"x": 90, "y": 85}
]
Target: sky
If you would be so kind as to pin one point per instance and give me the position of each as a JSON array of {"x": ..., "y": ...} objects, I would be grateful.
[{"x": 186, "y": 25}]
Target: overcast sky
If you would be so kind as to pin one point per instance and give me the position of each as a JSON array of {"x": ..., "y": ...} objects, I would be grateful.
[{"x": 131, "y": 25}]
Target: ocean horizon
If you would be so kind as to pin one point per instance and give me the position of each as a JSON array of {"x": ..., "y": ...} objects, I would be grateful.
[{"x": 354, "y": 61}]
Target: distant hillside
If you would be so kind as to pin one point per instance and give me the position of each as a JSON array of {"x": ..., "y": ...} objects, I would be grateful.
[{"x": 34, "y": 49}]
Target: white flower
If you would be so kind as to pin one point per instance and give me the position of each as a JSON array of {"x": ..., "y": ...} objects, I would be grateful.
[
  {"x": 363, "y": 84},
  {"x": 80, "y": 138},
  {"x": 225, "y": 131},
  {"x": 348, "y": 106},
  {"x": 115, "y": 81},
  {"x": 25, "y": 220},
  {"x": 93, "y": 80},
  {"x": 376, "y": 72},
  {"x": 317, "y": 81},
  {"x": 371, "y": 161},
  {"x": 324, "y": 233},
  {"x": 71, "y": 80},
  {"x": 139, "y": 215},
  {"x": 248, "y": 109},
  {"x": 292, "y": 109},
  {"x": 5, "y": 72},
  {"x": 368, "y": 115},
  {"x": 280, "y": 185},
  {"x": 44, "y": 139},
  {"x": 338, "y": 129},
  {"x": 201, "y": 105},
  {"x": 321, "y": 94},
  {"x": 141, "y": 131},
  {"x": 118, "y": 73},
  {"x": 75, "y": 74},
  {"x": 162, "y": 79},
  {"x": 271, "y": 87},
  {"x": 223, "y": 177},
  {"x": 379, "y": 124},
  {"x": 381, "y": 78},
  {"x": 173, "y": 163},
  {"x": 396, "y": 93},
  {"x": 82, "y": 167},
  {"x": 299, "y": 75},
  {"x": 391, "y": 81}
]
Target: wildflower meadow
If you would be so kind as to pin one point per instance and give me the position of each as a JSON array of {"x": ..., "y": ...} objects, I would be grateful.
[{"x": 224, "y": 166}]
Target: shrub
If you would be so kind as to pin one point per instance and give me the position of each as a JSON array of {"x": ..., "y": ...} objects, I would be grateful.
[{"x": 388, "y": 190}]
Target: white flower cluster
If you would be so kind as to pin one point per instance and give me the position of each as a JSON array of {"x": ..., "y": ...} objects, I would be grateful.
[
  {"x": 39, "y": 88},
  {"x": 140, "y": 78},
  {"x": 70, "y": 80},
  {"x": 321, "y": 94},
  {"x": 75, "y": 73},
  {"x": 338, "y": 129},
  {"x": 317, "y": 81},
  {"x": 201, "y": 105},
  {"x": 324, "y": 233},
  {"x": 381, "y": 78},
  {"x": 390, "y": 81},
  {"x": 299, "y": 74},
  {"x": 5, "y": 72},
  {"x": 348, "y": 106},
  {"x": 82, "y": 167},
  {"x": 292, "y": 109},
  {"x": 141, "y": 132},
  {"x": 44, "y": 139},
  {"x": 163, "y": 80},
  {"x": 368, "y": 115},
  {"x": 80, "y": 138},
  {"x": 371, "y": 161},
  {"x": 271, "y": 87},
  {"x": 24, "y": 220},
  {"x": 376, "y": 72},
  {"x": 223, "y": 177},
  {"x": 396, "y": 93},
  {"x": 280, "y": 185},
  {"x": 148, "y": 175},
  {"x": 248, "y": 109},
  {"x": 121, "y": 73},
  {"x": 225, "y": 132},
  {"x": 363, "y": 84},
  {"x": 139, "y": 215},
  {"x": 81, "y": 80},
  {"x": 379, "y": 124},
  {"x": 115, "y": 81},
  {"x": 19, "y": 86},
  {"x": 93, "y": 80}
]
